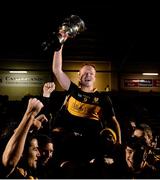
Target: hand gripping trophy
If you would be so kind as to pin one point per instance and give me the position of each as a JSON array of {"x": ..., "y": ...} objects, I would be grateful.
[{"x": 70, "y": 27}]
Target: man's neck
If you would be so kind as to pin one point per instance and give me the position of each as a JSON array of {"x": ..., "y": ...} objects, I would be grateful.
[{"x": 88, "y": 89}]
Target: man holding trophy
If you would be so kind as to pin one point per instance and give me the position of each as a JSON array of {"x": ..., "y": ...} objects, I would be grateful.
[{"x": 86, "y": 111}]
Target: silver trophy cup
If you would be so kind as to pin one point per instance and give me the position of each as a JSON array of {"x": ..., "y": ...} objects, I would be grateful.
[{"x": 71, "y": 26}]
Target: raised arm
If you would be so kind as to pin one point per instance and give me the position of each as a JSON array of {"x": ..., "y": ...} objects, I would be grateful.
[
  {"x": 117, "y": 129},
  {"x": 62, "y": 78},
  {"x": 113, "y": 122},
  {"x": 48, "y": 88},
  {"x": 15, "y": 145}
]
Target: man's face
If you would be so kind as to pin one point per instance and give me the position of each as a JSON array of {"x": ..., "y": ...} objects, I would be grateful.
[
  {"x": 46, "y": 153},
  {"x": 141, "y": 134},
  {"x": 134, "y": 158},
  {"x": 87, "y": 76},
  {"x": 138, "y": 133},
  {"x": 33, "y": 154}
]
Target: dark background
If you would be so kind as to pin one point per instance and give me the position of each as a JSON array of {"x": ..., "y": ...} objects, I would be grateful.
[
  {"x": 121, "y": 32},
  {"x": 117, "y": 31}
]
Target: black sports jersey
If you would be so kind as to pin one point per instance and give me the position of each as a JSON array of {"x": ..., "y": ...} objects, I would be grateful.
[
  {"x": 21, "y": 173},
  {"x": 85, "y": 112}
]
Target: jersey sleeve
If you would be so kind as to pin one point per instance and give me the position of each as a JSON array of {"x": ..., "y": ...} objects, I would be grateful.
[{"x": 73, "y": 87}]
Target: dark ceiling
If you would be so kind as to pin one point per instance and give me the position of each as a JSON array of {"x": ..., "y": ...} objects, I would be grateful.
[{"x": 120, "y": 32}]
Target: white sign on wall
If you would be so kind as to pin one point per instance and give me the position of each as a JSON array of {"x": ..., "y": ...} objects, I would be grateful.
[
  {"x": 22, "y": 79},
  {"x": 141, "y": 83}
]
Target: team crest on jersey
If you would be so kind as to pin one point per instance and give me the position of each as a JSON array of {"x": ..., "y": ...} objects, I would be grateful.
[
  {"x": 85, "y": 99},
  {"x": 96, "y": 99}
]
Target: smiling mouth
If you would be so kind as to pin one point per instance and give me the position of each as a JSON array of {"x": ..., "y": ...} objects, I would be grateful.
[{"x": 87, "y": 80}]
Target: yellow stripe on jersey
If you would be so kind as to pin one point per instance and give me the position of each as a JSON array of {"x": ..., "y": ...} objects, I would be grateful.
[
  {"x": 24, "y": 173},
  {"x": 82, "y": 109}
]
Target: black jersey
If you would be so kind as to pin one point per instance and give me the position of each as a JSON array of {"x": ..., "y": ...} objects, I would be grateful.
[{"x": 85, "y": 112}]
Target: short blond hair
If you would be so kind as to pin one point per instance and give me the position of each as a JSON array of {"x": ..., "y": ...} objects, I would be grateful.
[{"x": 88, "y": 64}]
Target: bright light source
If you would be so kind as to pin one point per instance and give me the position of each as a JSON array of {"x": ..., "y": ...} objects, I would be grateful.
[
  {"x": 18, "y": 72},
  {"x": 150, "y": 74}
]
